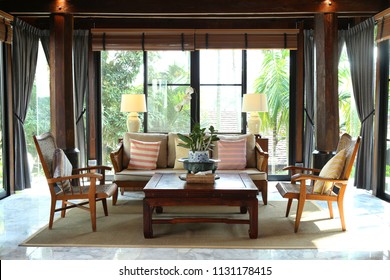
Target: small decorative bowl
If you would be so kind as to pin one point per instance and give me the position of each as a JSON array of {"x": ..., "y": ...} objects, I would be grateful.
[{"x": 195, "y": 167}]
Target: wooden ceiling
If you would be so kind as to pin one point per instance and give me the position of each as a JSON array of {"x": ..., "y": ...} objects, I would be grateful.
[{"x": 192, "y": 13}]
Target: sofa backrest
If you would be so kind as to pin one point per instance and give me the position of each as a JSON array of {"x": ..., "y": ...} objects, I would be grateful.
[
  {"x": 250, "y": 148},
  {"x": 146, "y": 137},
  {"x": 167, "y": 154}
]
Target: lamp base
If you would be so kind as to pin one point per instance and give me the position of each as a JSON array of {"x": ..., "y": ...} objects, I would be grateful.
[
  {"x": 254, "y": 123},
  {"x": 133, "y": 122}
]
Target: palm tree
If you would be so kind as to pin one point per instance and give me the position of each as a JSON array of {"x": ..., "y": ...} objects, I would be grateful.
[
  {"x": 349, "y": 120},
  {"x": 274, "y": 82}
]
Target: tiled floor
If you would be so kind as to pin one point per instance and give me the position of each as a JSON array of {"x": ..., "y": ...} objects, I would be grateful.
[{"x": 24, "y": 213}]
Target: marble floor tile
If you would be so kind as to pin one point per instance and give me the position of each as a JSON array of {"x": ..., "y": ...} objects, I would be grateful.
[{"x": 24, "y": 213}]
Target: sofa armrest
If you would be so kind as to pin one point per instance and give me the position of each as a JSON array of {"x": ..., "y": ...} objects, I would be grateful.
[
  {"x": 261, "y": 159},
  {"x": 116, "y": 158}
]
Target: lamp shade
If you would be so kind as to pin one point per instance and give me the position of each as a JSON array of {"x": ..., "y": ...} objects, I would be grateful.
[
  {"x": 254, "y": 102},
  {"x": 133, "y": 103}
]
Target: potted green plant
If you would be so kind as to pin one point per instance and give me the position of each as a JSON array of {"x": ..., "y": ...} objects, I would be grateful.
[{"x": 199, "y": 142}]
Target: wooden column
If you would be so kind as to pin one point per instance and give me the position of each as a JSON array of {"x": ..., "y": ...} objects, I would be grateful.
[
  {"x": 327, "y": 107},
  {"x": 300, "y": 88},
  {"x": 93, "y": 109},
  {"x": 61, "y": 84}
]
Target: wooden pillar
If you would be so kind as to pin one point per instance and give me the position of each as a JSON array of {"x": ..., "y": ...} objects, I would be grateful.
[
  {"x": 299, "y": 133},
  {"x": 381, "y": 119},
  {"x": 93, "y": 109},
  {"x": 327, "y": 106},
  {"x": 61, "y": 84}
]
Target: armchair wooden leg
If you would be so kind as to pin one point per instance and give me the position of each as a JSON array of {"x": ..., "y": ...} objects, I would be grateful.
[
  {"x": 64, "y": 210},
  {"x": 115, "y": 197},
  {"x": 104, "y": 202},
  {"x": 92, "y": 209},
  {"x": 341, "y": 211},
  {"x": 330, "y": 206},
  {"x": 301, "y": 203},
  {"x": 288, "y": 206},
  {"x": 52, "y": 210}
]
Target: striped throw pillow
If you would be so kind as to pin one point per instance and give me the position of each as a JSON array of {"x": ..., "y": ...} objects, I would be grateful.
[
  {"x": 143, "y": 155},
  {"x": 332, "y": 170},
  {"x": 232, "y": 154}
]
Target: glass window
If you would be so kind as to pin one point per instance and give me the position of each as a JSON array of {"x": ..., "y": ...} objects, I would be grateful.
[
  {"x": 268, "y": 72},
  {"x": 349, "y": 119},
  {"x": 2, "y": 189},
  {"x": 221, "y": 90},
  {"x": 220, "y": 106},
  {"x": 387, "y": 157},
  {"x": 38, "y": 115},
  {"x": 122, "y": 73},
  {"x": 168, "y": 77},
  {"x": 168, "y": 82}
]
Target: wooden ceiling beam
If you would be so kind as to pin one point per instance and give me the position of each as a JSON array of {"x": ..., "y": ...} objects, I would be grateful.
[{"x": 192, "y": 8}]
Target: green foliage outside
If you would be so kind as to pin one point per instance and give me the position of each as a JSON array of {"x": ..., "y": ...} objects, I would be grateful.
[
  {"x": 119, "y": 76},
  {"x": 274, "y": 81},
  {"x": 119, "y": 71},
  {"x": 169, "y": 85},
  {"x": 349, "y": 120},
  {"x": 37, "y": 122},
  {"x": 163, "y": 116}
]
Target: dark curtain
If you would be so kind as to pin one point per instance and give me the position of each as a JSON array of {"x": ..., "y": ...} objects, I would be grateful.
[
  {"x": 80, "y": 72},
  {"x": 360, "y": 48},
  {"x": 45, "y": 41},
  {"x": 25, "y": 54},
  {"x": 309, "y": 97}
]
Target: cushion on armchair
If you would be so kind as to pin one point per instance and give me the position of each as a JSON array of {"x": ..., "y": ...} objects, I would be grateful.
[
  {"x": 332, "y": 170},
  {"x": 61, "y": 168}
]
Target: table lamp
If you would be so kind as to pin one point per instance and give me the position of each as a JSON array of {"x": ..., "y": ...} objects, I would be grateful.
[
  {"x": 133, "y": 103},
  {"x": 254, "y": 103}
]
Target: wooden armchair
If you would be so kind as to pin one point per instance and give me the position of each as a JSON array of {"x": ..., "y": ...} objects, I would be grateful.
[
  {"x": 61, "y": 178},
  {"x": 334, "y": 175}
]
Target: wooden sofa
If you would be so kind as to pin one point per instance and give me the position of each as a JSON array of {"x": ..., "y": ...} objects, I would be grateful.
[{"x": 135, "y": 180}]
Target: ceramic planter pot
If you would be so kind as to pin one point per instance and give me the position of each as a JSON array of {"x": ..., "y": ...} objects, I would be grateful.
[{"x": 198, "y": 156}]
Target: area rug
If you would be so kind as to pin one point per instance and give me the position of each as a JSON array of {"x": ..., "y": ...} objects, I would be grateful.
[{"x": 123, "y": 228}]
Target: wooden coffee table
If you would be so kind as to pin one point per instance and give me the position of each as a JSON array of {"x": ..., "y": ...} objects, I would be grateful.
[{"x": 233, "y": 189}]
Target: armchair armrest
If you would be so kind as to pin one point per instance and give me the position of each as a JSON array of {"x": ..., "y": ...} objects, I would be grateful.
[
  {"x": 116, "y": 158},
  {"x": 300, "y": 177},
  {"x": 339, "y": 183},
  {"x": 88, "y": 168},
  {"x": 261, "y": 159},
  {"x": 299, "y": 169},
  {"x": 101, "y": 169},
  {"x": 75, "y": 176}
]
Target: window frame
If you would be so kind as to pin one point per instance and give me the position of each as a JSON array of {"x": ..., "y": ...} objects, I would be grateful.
[{"x": 195, "y": 101}]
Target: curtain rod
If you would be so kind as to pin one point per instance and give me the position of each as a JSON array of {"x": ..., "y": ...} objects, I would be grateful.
[{"x": 194, "y": 31}]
